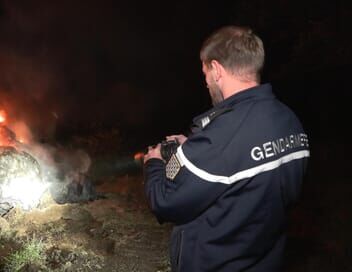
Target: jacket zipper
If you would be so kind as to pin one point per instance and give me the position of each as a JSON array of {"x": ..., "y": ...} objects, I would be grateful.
[{"x": 180, "y": 252}]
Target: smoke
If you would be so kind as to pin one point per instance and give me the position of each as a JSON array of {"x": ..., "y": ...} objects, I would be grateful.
[
  {"x": 65, "y": 170},
  {"x": 65, "y": 63},
  {"x": 25, "y": 92},
  {"x": 61, "y": 167},
  {"x": 23, "y": 133}
]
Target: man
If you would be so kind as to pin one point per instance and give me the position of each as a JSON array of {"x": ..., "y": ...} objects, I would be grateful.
[{"x": 228, "y": 187}]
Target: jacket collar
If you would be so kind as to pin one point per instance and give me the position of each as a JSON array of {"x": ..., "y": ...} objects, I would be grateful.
[
  {"x": 258, "y": 92},
  {"x": 263, "y": 91}
]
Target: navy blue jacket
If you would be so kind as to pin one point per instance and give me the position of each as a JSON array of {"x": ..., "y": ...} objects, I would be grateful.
[{"x": 229, "y": 186}]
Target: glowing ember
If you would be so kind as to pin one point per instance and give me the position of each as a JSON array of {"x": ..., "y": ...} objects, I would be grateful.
[
  {"x": 138, "y": 156},
  {"x": 2, "y": 116}
]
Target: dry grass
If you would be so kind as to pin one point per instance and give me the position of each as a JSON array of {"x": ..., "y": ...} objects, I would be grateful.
[{"x": 117, "y": 233}]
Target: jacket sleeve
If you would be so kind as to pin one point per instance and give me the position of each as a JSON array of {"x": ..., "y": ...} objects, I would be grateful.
[
  {"x": 186, "y": 196},
  {"x": 181, "y": 200}
]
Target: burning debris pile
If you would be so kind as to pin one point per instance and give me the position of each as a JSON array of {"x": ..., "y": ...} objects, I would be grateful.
[
  {"x": 20, "y": 179},
  {"x": 27, "y": 171}
]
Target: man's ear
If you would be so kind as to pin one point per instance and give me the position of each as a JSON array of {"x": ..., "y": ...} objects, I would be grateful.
[{"x": 217, "y": 70}]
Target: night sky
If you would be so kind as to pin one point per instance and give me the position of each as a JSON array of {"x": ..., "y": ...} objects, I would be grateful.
[{"x": 67, "y": 65}]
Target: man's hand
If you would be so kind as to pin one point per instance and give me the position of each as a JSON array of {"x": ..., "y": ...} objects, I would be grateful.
[
  {"x": 153, "y": 152},
  {"x": 180, "y": 138}
]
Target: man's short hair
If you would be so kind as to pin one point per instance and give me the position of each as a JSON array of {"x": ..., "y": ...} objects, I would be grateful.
[{"x": 238, "y": 49}]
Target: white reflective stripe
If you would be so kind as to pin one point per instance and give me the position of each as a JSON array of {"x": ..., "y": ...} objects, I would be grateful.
[
  {"x": 179, "y": 158},
  {"x": 199, "y": 172},
  {"x": 251, "y": 172}
]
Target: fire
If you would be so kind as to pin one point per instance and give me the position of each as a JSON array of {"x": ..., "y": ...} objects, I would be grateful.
[
  {"x": 139, "y": 156},
  {"x": 20, "y": 179},
  {"x": 14, "y": 133},
  {"x": 7, "y": 136},
  {"x": 2, "y": 117}
]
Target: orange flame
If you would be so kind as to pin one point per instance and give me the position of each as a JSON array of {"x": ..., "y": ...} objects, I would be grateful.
[
  {"x": 139, "y": 156},
  {"x": 2, "y": 116}
]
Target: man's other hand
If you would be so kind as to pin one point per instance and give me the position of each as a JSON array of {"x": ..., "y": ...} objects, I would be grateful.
[
  {"x": 153, "y": 152},
  {"x": 180, "y": 138}
]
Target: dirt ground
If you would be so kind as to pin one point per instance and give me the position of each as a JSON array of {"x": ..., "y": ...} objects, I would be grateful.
[
  {"x": 115, "y": 233},
  {"x": 119, "y": 233}
]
